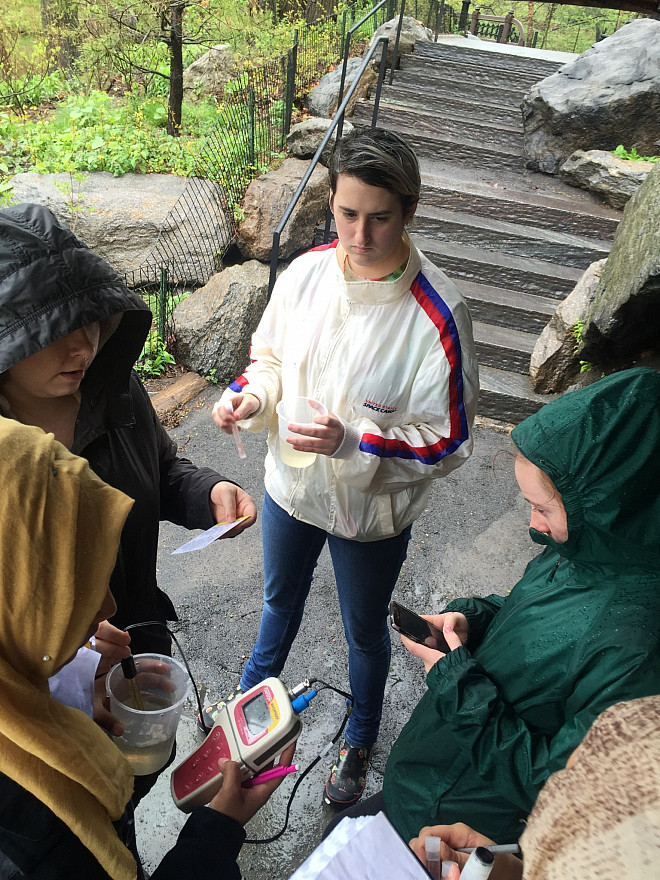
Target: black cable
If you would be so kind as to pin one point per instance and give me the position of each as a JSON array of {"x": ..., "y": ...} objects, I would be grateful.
[
  {"x": 313, "y": 764},
  {"x": 183, "y": 657}
]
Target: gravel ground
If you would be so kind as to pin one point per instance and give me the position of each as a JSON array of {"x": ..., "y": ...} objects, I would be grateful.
[{"x": 471, "y": 539}]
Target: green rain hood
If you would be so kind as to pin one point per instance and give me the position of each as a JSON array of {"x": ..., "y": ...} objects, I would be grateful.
[{"x": 578, "y": 633}]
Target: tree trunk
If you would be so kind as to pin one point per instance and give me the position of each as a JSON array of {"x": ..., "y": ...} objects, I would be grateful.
[
  {"x": 176, "y": 68},
  {"x": 530, "y": 23},
  {"x": 59, "y": 18}
]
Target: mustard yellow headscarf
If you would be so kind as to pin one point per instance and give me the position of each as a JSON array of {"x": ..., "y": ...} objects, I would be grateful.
[{"x": 59, "y": 532}]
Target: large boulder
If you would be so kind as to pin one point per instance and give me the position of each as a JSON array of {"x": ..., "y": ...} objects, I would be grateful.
[
  {"x": 412, "y": 31},
  {"x": 624, "y": 319},
  {"x": 323, "y": 99},
  {"x": 210, "y": 73},
  {"x": 554, "y": 364},
  {"x": 608, "y": 96},
  {"x": 265, "y": 202},
  {"x": 304, "y": 138},
  {"x": 214, "y": 325},
  {"x": 605, "y": 174},
  {"x": 131, "y": 221}
]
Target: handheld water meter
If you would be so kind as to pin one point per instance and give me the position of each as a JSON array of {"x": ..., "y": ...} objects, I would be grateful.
[{"x": 252, "y": 729}]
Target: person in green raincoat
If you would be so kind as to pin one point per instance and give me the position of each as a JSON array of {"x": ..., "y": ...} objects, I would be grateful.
[{"x": 529, "y": 672}]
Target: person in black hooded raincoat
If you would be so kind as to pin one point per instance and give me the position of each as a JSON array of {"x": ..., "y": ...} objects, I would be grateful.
[
  {"x": 529, "y": 672},
  {"x": 70, "y": 332},
  {"x": 58, "y": 295}
]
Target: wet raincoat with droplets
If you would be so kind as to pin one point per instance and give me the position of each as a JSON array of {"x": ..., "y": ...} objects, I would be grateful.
[{"x": 578, "y": 632}]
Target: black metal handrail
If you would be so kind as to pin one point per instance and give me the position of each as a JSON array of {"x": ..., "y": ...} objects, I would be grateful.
[
  {"x": 337, "y": 120},
  {"x": 347, "y": 48}
]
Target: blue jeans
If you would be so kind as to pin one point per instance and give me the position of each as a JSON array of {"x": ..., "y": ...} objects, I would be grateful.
[{"x": 365, "y": 572}]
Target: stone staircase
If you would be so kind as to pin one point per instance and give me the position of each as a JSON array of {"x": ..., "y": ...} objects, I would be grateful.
[{"x": 514, "y": 242}]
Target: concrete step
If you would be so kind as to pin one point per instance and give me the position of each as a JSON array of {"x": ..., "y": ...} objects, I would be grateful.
[
  {"x": 507, "y": 308},
  {"x": 494, "y": 131},
  {"x": 430, "y": 143},
  {"x": 508, "y": 397},
  {"x": 544, "y": 209},
  {"x": 502, "y": 347},
  {"x": 427, "y": 98},
  {"x": 509, "y": 238},
  {"x": 479, "y": 75},
  {"x": 471, "y": 54},
  {"x": 443, "y": 81},
  {"x": 469, "y": 263}
]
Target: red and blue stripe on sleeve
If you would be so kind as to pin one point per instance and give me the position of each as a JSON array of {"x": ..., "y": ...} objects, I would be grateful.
[{"x": 440, "y": 314}]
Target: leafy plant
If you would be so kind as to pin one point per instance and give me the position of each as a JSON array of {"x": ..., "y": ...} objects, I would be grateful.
[
  {"x": 633, "y": 155},
  {"x": 577, "y": 331},
  {"x": 154, "y": 359}
]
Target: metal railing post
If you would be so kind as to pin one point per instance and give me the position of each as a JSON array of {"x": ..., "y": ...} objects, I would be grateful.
[
  {"x": 382, "y": 67},
  {"x": 291, "y": 70},
  {"x": 463, "y": 20},
  {"x": 395, "y": 54},
  {"x": 162, "y": 302},
  {"x": 438, "y": 20},
  {"x": 251, "y": 124}
]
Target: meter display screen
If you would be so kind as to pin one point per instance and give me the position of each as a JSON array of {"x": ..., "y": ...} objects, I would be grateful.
[{"x": 257, "y": 714}]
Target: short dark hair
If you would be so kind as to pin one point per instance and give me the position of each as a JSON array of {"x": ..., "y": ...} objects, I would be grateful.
[{"x": 378, "y": 157}]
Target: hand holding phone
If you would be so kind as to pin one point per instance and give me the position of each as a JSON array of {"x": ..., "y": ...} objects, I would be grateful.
[{"x": 417, "y": 628}]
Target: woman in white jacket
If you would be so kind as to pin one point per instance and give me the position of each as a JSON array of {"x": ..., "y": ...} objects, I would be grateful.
[{"x": 374, "y": 331}]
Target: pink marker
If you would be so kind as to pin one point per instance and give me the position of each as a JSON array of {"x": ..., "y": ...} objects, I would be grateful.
[{"x": 267, "y": 775}]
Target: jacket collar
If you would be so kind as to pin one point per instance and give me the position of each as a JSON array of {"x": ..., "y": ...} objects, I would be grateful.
[{"x": 378, "y": 292}]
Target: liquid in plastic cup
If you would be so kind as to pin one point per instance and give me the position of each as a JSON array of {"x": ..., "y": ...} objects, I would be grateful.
[
  {"x": 148, "y": 736},
  {"x": 301, "y": 411}
]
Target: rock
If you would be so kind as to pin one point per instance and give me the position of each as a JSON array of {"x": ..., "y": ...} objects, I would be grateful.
[
  {"x": 624, "y": 319},
  {"x": 210, "y": 72},
  {"x": 214, "y": 325},
  {"x": 554, "y": 365},
  {"x": 305, "y": 138},
  {"x": 322, "y": 100},
  {"x": 131, "y": 221},
  {"x": 266, "y": 200},
  {"x": 609, "y": 95},
  {"x": 412, "y": 31},
  {"x": 605, "y": 174}
]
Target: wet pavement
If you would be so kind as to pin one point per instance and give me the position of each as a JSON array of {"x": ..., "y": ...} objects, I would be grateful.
[{"x": 471, "y": 540}]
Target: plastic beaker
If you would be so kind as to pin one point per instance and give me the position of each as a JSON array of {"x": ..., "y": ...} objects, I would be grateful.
[
  {"x": 149, "y": 733},
  {"x": 300, "y": 411}
]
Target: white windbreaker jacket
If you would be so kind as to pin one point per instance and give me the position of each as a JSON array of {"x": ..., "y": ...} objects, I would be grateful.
[{"x": 395, "y": 360}]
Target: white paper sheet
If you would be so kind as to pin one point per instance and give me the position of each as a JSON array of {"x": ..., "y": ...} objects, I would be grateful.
[
  {"x": 207, "y": 537},
  {"x": 364, "y": 848}
]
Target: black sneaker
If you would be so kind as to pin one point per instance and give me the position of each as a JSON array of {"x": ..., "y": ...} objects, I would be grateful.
[
  {"x": 347, "y": 779},
  {"x": 206, "y": 720}
]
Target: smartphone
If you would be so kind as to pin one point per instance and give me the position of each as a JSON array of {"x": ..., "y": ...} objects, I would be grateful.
[{"x": 418, "y": 629}]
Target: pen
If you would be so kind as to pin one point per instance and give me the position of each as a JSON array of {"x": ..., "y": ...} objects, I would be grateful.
[
  {"x": 496, "y": 849},
  {"x": 235, "y": 431},
  {"x": 267, "y": 775}
]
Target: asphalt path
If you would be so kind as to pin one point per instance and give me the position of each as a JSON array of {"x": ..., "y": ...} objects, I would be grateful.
[{"x": 471, "y": 540}]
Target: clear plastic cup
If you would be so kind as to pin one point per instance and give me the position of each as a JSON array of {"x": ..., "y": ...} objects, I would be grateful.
[
  {"x": 149, "y": 733},
  {"x": 300, "y": 411}
]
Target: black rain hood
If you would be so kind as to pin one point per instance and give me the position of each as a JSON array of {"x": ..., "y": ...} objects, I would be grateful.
[
  {"x": 600, "y": 446},
  {"x": 52, "y": 284}
]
